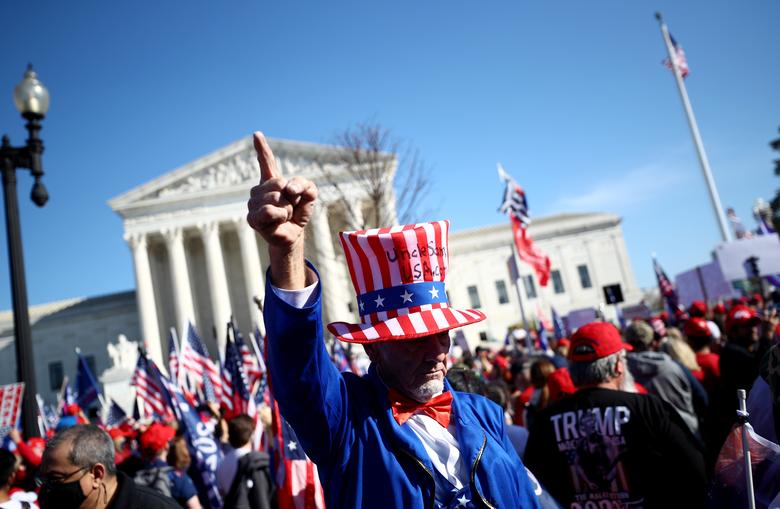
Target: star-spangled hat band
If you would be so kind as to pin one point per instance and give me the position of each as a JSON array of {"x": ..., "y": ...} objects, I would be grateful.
[{"x": 398, "y": 274}]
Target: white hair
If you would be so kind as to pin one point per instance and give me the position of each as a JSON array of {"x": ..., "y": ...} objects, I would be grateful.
[
  {"x": 602, "y": 370},
  {"x": 428, "y": 390}
]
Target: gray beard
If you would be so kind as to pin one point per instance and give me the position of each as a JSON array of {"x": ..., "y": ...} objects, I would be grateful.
[
  {"x": 628, "y": 384},
  {"x": 428, "y": 390}
]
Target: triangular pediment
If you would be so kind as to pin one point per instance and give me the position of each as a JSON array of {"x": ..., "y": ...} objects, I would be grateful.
[{"x": 226, "y": 170}]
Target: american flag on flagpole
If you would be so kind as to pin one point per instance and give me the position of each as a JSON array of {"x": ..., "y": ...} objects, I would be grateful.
[
  {"x": 515, "y": 205},
  {"x": 195, "y": 360},
  {"x": 249, "y": 359},
  {"x": 149, "y": 390},
  {"x": 173, "y": 357},
  {"x": 234, "y": 376},
  {"x": 679, "y": 58}
]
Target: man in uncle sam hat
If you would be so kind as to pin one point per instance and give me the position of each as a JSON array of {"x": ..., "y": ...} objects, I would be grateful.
[{"x": 397, "y": 437}]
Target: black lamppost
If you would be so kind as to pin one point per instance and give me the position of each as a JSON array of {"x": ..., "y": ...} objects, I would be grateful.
[{"x": 32, "y": 101}]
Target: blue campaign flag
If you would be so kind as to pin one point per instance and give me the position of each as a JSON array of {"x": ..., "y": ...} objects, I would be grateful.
[
  {"x": 560, "y": 329},
  {"x": 87, "y": 388},
  {"x": 202, "y": 444}
]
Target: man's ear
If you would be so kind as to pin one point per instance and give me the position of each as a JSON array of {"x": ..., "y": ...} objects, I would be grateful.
[
  {"x": 620, "y": 366},
  {"x": 99, "y": 472}
]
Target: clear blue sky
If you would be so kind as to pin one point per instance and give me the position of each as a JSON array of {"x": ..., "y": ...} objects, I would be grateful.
[{"x": 570, "y": 96}]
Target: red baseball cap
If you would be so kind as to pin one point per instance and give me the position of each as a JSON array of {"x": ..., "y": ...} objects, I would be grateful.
[
  {"x": 698, "y": 308},
  {"x": 697, "y": 327},
  {"x": 156, "y": 437},
  {"x": 741, "y": 315},
  {"x": 594, "y": 341},
  {"x": 719, "y": 309},
  {"x": 564, "y": 342}
]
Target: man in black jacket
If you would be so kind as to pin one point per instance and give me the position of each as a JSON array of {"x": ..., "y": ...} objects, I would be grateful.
[
  {"x": 78, "y": 471},
  {"x": 603, "y": 447},
  {"x": 244, "y": 475}
]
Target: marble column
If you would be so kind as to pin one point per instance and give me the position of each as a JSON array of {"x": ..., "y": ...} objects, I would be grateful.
[
  {"x": 335, "y": 307},
  {"x": 218, "y": 289},
  {"x": 147, "y": 308},
  {"x": 180, "y": 279},
  {"x": 253, "y": 271}
]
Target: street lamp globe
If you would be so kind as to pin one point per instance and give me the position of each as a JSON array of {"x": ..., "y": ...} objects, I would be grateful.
[{"x": 30, "y": 96}]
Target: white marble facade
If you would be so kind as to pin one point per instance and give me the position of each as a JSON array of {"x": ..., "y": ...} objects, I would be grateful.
[
  {"x": 587, "y": 251},
  {"x": 196, "y": 259}
]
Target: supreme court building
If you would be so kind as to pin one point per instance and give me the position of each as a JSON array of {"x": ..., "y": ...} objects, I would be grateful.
[{"x": 196, "y": 260}]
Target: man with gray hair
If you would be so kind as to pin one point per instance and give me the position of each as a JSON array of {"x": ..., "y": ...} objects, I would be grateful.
[
  {"x": 78, "y": 471},
  {"x": 603, "y": 446}
]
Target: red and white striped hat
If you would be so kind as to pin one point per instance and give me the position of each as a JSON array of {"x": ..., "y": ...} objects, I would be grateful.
[{"x": 398, "y": 274}]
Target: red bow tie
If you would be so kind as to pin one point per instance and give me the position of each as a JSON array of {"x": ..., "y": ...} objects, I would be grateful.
[{"x": 437, "y": 408}]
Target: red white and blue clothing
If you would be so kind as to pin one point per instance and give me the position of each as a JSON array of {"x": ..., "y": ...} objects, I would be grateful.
[{"x": 365, "y": 458}]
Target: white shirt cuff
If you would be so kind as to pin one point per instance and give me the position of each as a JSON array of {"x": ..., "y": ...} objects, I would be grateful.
[{"x": 297, "y": 298}]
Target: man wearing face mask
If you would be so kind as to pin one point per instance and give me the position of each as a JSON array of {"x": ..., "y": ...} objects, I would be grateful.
[
  {"x": 398, "y": 436},
  {"x": 78, "y": 471}
]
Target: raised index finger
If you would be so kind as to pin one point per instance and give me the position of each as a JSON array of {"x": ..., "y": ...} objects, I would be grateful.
[{"x": 265, "y": 157}]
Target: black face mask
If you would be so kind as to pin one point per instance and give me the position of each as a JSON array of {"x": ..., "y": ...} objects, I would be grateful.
[{"x": 61, "y": 495}]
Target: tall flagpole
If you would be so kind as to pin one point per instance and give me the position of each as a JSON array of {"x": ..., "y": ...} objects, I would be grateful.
[{"x": 705, "y": 164}]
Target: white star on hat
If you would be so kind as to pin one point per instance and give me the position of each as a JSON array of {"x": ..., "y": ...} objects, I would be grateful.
[
  {"x": 380, "y": 301},
  {"x": 462, "y": 501},
  {"x": 406, "y": 296},
  {"x": 434, "y": 292}
]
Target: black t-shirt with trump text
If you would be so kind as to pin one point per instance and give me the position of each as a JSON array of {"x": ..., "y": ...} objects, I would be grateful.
[{"x": 604, "y": 449}]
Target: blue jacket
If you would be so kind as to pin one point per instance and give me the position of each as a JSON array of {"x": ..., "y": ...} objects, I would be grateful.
[{"x": 345, "y": 425}]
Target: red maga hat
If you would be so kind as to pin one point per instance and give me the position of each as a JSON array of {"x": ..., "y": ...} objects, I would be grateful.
[
  {"x": 698, "y": 308},
  {"x": 697, "y": 327},
  {"x": 398, "y": 274},
  {"x": 594, "y": 341},
  {"x": 156, "y": 437},
  {"x": 741, "y": 315}
]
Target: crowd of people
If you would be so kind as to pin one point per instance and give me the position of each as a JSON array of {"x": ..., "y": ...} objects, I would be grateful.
[{"x": 631, "y": 415}]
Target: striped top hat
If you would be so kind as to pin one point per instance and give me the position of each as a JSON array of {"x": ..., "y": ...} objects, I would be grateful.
[{"x": 398, "y": 274}]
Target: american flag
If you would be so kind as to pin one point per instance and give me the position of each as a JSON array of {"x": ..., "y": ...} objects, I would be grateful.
[
  {"x": 173, "y": 357},
  {"x": 248, "y": 357},
  {"x": 195, "y": 360},
  {"x": 149, "y": 390},
  {"x": 666, "y": 288},
  {"x": 297, "y": 481},
  {"x": 679, "y": 58},
  {"x": 239, "y": 400}
]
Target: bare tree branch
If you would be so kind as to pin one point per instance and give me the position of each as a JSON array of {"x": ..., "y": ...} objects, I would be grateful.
[{"x": 389, "y": 173}]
